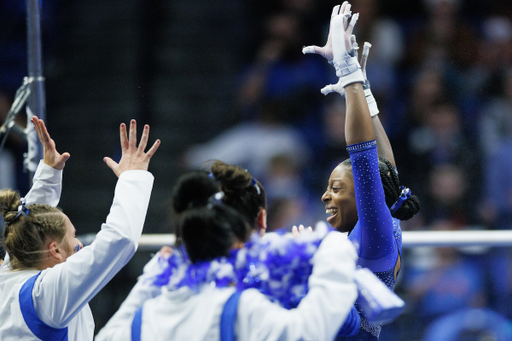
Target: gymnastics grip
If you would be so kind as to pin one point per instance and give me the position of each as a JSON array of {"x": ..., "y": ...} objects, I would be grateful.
[{"x": 377, "y": 302}]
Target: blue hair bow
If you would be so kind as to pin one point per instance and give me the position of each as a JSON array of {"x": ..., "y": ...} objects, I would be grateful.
[
  {"x": 406, "y": 194},
  {"x": 22, "y": 210}
]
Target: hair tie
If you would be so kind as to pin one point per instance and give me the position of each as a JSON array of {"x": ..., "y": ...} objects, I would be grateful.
[
  {"x": 77, "y": 248},
  {"x": 406, "y": 194},
  {"x": 255, "y": 184},
  {"x": 22, "y": 210},
  {"x": 215, "y": 199}
]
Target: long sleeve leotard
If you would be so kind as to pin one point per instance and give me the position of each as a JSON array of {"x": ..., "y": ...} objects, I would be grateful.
[{"x": 377, "y": 235}]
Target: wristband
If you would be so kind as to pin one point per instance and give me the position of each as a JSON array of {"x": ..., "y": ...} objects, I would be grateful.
[{"x": 372, "y": 104}]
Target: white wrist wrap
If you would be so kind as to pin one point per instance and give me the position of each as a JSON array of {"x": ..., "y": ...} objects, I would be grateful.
[
  {"x": 355, "y": 77},
  {"x": 372, "y": 104},
  {"x": 348, "y": 70},
  {"x": 346, "y": 65}
]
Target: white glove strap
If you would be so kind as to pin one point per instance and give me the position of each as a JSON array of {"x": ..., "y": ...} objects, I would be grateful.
[
  {"x": 354, "y": 77},
  {"x": 348, "y": 70},
  {"x": 346, "y": 65},
  {"x": 372, "y": 104}
]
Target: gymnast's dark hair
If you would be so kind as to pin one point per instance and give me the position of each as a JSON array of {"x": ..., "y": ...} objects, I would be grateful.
[
  {"x": 242, "y": 191},
  {"x": 207, "y": 228},
  {"x": 393, "y": 190}
]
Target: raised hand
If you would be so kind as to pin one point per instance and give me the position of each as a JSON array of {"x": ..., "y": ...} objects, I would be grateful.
[
  {"x": 297, "y": 232},
  {"x": 339, "y": 38},
  {"x": 166, "y": 252},
  {"x": 50, "y": 154},
  {"x": 133, "y": 157},
  {"x": 339, "y": 49},
  {"x": 325, "y": 51}
]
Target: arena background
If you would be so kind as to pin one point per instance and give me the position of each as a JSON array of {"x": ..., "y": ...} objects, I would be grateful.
[{"x": 192, "y": 69}]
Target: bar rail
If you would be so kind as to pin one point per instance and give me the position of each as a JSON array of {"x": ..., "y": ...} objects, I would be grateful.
[{"x": 410, "y": 239}]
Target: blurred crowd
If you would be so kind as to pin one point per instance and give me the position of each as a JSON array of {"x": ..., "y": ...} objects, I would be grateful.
[{"x": 441, "y": 73}]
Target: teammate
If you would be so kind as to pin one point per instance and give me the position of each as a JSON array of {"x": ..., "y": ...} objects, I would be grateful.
[
  {"x": 48, "y": 279},
  {"x": 195, "y": 304}
]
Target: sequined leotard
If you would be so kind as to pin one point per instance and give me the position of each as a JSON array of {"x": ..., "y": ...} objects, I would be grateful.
[{"x": 377, "y": 235}]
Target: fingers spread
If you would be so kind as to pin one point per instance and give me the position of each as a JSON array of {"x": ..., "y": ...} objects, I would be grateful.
[
  {"x": 336, "y": 9},
  {"x": 346, "y": 10},
  {"x": 295, "y": 232},
  {"x": 110, "y": 163},
  {"x": 132, "y": 141},
  {"x": 144, "y": 139},
  {"x": 153, "y": 149},
  {"x": 123, "y": 137},
  {"x": 352, "y": 23},
  {"x": 364, "y": 56},
  {"x": 311, "y": 49},
  {"x": 353, "y": 41},
  {"x": 326, "y": 89},
  {"x": 41, "y": 130},
  {"x": 37, "y": 128}
]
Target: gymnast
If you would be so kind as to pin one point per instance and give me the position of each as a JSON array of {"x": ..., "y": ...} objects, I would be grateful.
[
  {"x": 364, "y": 196},
  {"x": 245, "y": 194},
  {"x": 48, "y": 278},
  {"x": 198, "y": 300}
]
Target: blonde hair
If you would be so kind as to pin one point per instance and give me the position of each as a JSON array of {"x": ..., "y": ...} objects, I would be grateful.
[{"x": 25, "y": 237}]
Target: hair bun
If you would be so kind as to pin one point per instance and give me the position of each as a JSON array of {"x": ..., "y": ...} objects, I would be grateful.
[
  {"x": 193, "y": 190},
  {"x": 9, "y": 202},
  {"x": 231, "y": 177}
]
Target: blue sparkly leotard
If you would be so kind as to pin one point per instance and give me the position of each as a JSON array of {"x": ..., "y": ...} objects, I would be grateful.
[{"x": 377, "y": 235}]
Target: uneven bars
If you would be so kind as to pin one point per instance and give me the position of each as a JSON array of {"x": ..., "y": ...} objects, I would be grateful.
[
  {"x": 36, "y": 105},
  {"x": 410, "y": 239}
]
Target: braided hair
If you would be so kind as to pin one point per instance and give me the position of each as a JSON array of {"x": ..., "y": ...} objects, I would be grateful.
[
  {"x": 24, "y": 237},
  {"x": 393, "y": 190}
]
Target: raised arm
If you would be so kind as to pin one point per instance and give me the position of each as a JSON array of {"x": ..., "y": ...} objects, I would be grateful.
[
  {"x": 384, "y": 148},
  {"x": 383, "y": 145},
  {"x": 47, "y": 182},
  {"x": 375, "y": 229},
  {"x": 62, "y": 291},
  {"x": 358, "y": 123},
  {"x": 141, "y": 292}
]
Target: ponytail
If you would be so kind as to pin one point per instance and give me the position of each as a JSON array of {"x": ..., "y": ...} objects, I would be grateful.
[
  {"x": 404, "y": 204},
  {"x": 206, "y": 226}
]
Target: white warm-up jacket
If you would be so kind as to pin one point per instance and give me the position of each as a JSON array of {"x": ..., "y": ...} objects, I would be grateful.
[
  {"x": 52, "y": 304},
  {"x": 184, "y": 314}
]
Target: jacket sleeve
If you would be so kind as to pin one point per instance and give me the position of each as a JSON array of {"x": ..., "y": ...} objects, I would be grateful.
[
  {"x": 141, "y": 292},
  {"x": 46, "y": 186},
  {"x": 320, "y": 314},
  {"x": 62, "y": 291}
]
